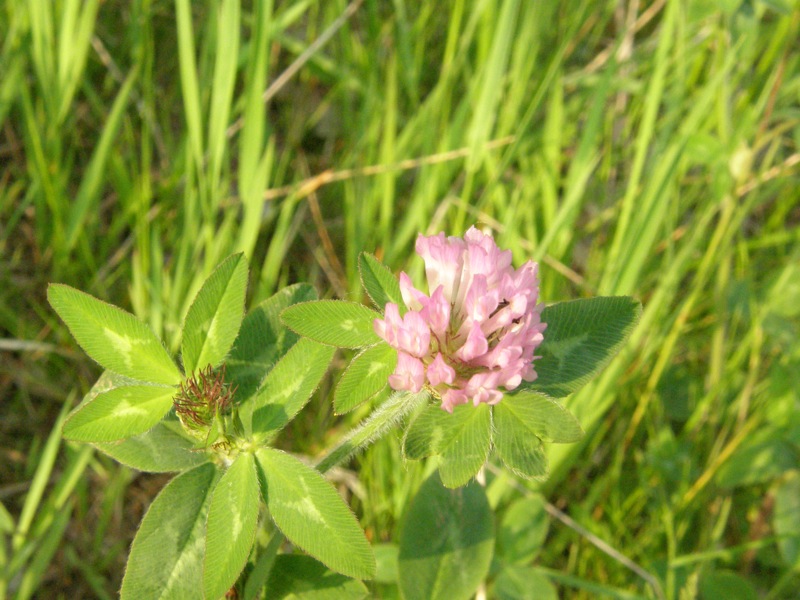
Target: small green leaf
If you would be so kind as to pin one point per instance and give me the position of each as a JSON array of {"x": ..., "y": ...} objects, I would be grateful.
[
  {"x": 286, "y": 388},
  {"x": 213, "y": 320},
  {"x": 465, "y": 445},
  {"x": 263, "y": 339},
  {"x": 380, "y": 282},
  {"x": 521, "y": 451},
  {"x": 367, "y": 375},
  {"x": 108, "y": 380},
  {"x": 424, "y": 432},
  {"x": 298, "y": 577},
  {"x": 333, "y": 322},
  {"x": 581, "y": 338},
  {"x": 231, "y": 527},
  {"x": 114, "y": 338},
  {"x": 526, "y": 458},
  {"x": 119, "y": 413},
  {"x": 162, "y": 449},
  {"x": 312, "y": 515},
  {"x": 446, "y": 542},
  {"x": 462, "y": 440},
  {"x": 166, "y": 559},
  {"x": 540, "y": 416}
]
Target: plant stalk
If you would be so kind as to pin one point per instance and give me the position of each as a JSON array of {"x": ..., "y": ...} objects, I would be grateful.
[{"x": 384, "y": 418}]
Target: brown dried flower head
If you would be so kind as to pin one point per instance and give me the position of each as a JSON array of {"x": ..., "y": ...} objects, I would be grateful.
[{"x": 201, "y": 398}]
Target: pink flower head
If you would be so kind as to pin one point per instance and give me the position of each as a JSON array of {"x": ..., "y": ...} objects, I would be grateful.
[{"x": 475, "y": 335}]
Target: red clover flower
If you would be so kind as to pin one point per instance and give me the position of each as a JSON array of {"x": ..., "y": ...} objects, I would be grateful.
[{"x": 475, "y": 336}]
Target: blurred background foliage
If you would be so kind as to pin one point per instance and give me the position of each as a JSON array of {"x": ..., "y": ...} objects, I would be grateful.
[{"x": 632, "y": 147}]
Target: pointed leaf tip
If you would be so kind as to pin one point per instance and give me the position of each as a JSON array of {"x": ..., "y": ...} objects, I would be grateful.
[
  {"x": 214, "y": 318},
  {"x": 312, "y": 515},
  {"x": 166, "y": 557},
  {"x": 231, "y": 527},
  {"x": 379, "y": 282},
  {"x": 367, "y": 374},
  {"x": 581, "y": 338},
  {"x": 114, "y": 338},
  {"x": 119, "y": 413},
  {"x": 333, "y": 322}
]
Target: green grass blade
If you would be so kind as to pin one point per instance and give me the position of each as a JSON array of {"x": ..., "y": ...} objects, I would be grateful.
[
  {"x": 225, "y": 67},
  {"x": 489, "y": 89},
  {"x": 92, "y": 181},
  {"x": 40, "y": 480},
  {"x": 190, "y": 87},
  {"x": 47, "y": 546},
  {"x": 74, "y": 39},
  {"x": 652, "y": 102}
]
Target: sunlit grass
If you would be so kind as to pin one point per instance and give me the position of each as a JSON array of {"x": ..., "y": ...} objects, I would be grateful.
[{"x": 649, "y": 150}]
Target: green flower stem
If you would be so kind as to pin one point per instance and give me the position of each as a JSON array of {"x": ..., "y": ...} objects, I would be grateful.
[{"x": 385, "y": 417}]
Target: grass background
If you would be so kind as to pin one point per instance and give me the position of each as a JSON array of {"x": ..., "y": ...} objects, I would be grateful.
[{"x": 641, "y": 148}]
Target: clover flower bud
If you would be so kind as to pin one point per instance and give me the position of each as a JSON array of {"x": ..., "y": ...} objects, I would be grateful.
[{"x": 202, "y": 397}]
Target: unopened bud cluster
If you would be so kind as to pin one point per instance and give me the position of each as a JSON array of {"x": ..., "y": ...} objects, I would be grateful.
[{"x": 201, "y": 398}]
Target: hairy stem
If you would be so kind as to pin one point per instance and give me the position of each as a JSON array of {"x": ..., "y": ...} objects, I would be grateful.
[{"x": 385, "y": 417}]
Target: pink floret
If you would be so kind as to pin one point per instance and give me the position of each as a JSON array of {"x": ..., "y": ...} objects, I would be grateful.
[{"x": 476, "y": 335}]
